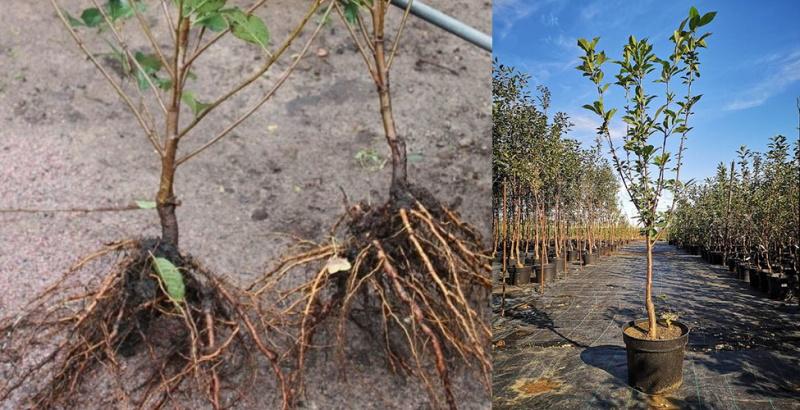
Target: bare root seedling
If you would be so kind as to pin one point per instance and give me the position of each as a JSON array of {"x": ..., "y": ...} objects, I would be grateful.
[{"x": 410, "y": 272}]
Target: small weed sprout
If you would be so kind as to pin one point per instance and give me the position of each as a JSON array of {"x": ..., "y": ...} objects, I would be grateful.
[{"x": 370, "y": 159}]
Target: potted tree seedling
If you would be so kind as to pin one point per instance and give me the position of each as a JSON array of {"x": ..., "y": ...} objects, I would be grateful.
[
  {"x": 187, "y": 330},
  {"x": 411, "y": 263},
  {"x": 644, "y": 170}
]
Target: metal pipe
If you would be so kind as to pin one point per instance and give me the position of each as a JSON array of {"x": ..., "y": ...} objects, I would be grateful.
[{"x": 447, "y": 23}]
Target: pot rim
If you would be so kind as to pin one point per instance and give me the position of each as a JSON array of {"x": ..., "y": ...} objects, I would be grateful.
[{"x": 684, "y": 332}]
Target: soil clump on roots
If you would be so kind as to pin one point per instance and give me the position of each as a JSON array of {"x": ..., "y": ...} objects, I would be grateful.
[
  {"x": 124, "y": 330},
  {"x": 415, "y": 279}
]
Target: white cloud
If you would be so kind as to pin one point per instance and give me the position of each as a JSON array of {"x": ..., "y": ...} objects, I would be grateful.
[
  {"x": 585, "y": 124},
  {"x": 549, "y": 20},
  {"x": 507, "y": 13},
  {"x": 785, "y": 71},
  {"x": 591, "y": 11},
  {"x": 569, "y": 44}
]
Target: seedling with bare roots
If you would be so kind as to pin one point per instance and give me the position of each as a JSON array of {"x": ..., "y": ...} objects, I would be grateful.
[
  {"x": 415, "y": 272},
  {"x": 189, "y": 332}
]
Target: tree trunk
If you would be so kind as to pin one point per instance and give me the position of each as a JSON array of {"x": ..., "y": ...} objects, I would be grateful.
[
  {"x": 165, "y": 198},
  {"x": 648, "y": 293},
  {"x": 505, "y": 208},
  {"x": 397, "y": 144}
]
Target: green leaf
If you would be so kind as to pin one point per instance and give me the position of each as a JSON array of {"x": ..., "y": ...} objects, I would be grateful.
[
  {"x": 73, "y": 22},
  {"x": 693, "y": 13},
  {"x": 196, "y": 106},
  {"x": 584, "y": 44},
  {"x": 172, "y": 278},
  {"x": 707, "y": 18},
  {"x": 120, "y": 9},
  {"x": 150, "y": 64},
  {"x": 351, "y": 12},
  {"x": 248, "y": 28},
  {"x": 92, "y": 17},
  {"x": 201, "y": 7},
  {"x": 163, "y": 83},
  {"x": 145, "y": 204},
  {"x": 213, "y": 22}
]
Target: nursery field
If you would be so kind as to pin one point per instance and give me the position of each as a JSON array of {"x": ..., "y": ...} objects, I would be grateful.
[
  {"x": 564, "y": 348},
  {"x": 67, "y": 142}
]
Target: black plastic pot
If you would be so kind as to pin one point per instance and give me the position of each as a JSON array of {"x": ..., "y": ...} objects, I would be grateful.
[
  {"x": 589, "y": 259},
  {"x": 778, "y": 287},
  {"x": 522, "y": 276},
  {"x": 753, "y": 277},
  {"x": 572, "y": 256},
  {"x": 532, "y": 261},
  {"x": 743, "y": 272},
  {"x": 763, "y": 281},
  {"x": 560, "y": 265},
  {"x": 655, "y": 366},
  {"x": 549, "y": 272}
]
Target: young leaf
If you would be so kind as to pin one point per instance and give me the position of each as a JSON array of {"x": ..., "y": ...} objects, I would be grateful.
[
  {"x": 92, "y": 17},
  {"x": 201, "y": 7},
  {"x": 150, "y": 66},
  {"x": 351, "y": 11},
  {"x": 213, "y": 21},
  {"x": 172, "y": 278},
  {"x": 706, "y": 18},
  {"x": 120, "y": 9},
  {"x": 73, "y": 22},
  {"x": 145, "y": 204},
  {"x": 196, "y": 106},
  {"x": 248, "y": 28}
]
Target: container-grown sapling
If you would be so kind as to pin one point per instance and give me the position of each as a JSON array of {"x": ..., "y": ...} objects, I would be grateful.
[
  {"x": 412, "y": 264},
  {"x": 644, "y": 168},
  {"x": 189, "y": 329}
]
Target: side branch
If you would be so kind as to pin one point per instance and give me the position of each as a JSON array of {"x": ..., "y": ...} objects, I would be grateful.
[
  {"x": 270, "y": 62},
  {"x": 284, "y": 76},
  {"x": 151, "y": 134}
]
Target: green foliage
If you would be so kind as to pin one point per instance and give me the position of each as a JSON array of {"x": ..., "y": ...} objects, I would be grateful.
[
  {"x": 150, "y": 66},
  {"x": 171, "y": 278},
  {"x": 370, "y": 159},
  {"x": 645, "y": 166},
  {"x": 753, "y": 213},
  {"x": 195, "y": 105},
  {"x": 145, "y": 204},
  {"x": 351, "y": 8},
  {"x": 546, "y": 172},
  {"x": 204, "y": 14},
  {"x": 248, "y": 27}
]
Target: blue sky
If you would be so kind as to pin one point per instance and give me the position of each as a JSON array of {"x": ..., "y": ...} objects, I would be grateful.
[{"x": 750, "y": 72}]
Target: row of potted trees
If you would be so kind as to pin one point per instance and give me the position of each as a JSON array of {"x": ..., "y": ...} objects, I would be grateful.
[
  {"x": 747, "y": 217},
  {"x": 554, "y": 201}
]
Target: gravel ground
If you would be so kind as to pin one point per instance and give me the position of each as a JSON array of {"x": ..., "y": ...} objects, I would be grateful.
[
  {"x": 66, "y": 141},
  {"x": 564, "y": 349}
]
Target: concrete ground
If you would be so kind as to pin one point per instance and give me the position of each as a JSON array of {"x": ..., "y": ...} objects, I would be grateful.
[
  {"x": 564, "y": 349},
  {"x": 67, "y": 141}
]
